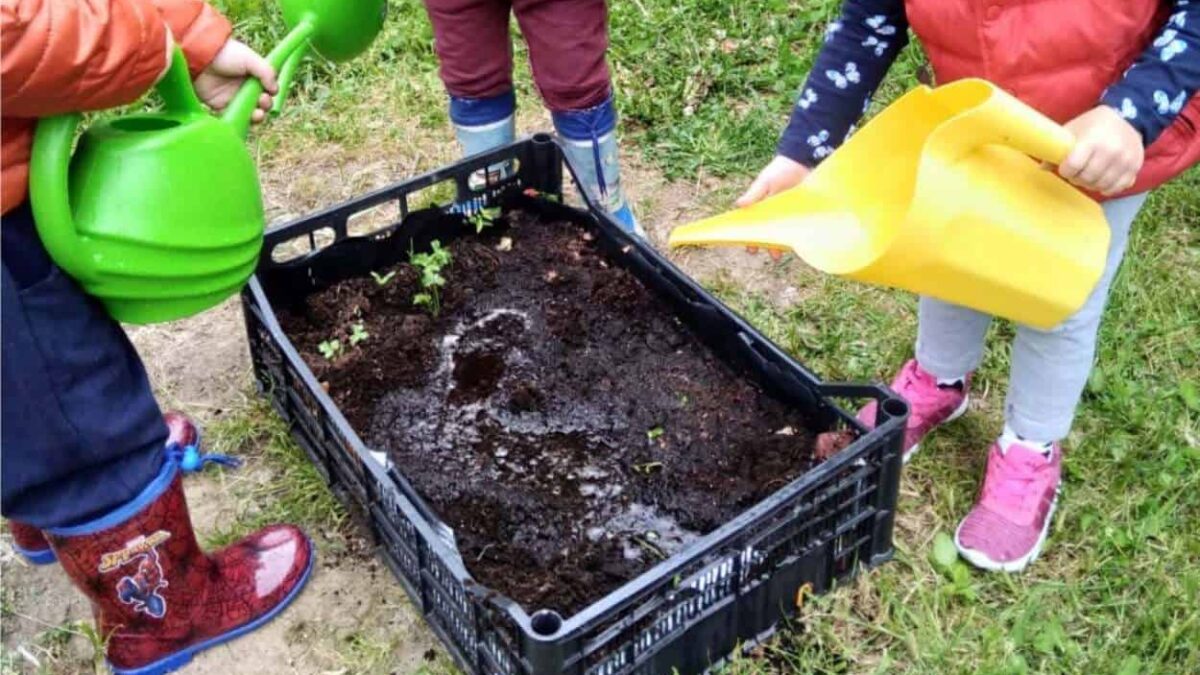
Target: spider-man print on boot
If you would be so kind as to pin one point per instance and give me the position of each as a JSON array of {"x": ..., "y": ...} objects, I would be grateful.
[
  {"x": 158, "y": 598},
  {"x": 141, "y": 588}
]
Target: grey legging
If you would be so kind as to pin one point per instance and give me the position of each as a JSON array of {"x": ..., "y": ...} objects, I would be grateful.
[{"x": 1049, "y": 367}]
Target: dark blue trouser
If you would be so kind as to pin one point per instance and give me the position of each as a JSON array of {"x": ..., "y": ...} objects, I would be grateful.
[{"x": 82, "y": 433}]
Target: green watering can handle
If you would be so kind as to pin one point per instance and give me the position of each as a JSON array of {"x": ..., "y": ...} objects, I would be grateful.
[
  {"x": 49, "y": 167},
  {"x": 287, "y": 75},
  {"x": 283, "y": 58},
  {"x": 176, "y": 87}
]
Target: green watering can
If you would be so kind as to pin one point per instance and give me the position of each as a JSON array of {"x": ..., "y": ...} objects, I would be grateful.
[{"x": 160, "y": 215}]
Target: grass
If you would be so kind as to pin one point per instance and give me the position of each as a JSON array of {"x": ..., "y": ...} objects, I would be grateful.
[
  {"x": 50, "y": 651},
  {"x": 704, "y": 87},
  {"x": 293, "y": 493}
]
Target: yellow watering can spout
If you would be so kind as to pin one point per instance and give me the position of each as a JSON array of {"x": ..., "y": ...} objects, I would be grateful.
[
  {"x": 941, "y": 194},
  {"x": 835, "y": 242}
]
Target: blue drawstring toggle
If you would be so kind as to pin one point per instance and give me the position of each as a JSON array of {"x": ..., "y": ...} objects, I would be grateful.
[{"x": 191, "y": 460}]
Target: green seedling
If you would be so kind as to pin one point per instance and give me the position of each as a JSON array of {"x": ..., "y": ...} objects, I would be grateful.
[
  {"x": 655, "y": 433},
  {"x": 648, "y": 468},
  {"x": 382, "y": 279},
  {"x": 431, "y": 265},
  {"x": 484, "y": 219},
  {"x": 330, "y": 349},
  {"x": 358, "y": 334},
  {"x": 646, "y": 543}
]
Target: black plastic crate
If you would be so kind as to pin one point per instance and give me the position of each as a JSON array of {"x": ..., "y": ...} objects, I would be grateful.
[{"x": 688, "y": 613}]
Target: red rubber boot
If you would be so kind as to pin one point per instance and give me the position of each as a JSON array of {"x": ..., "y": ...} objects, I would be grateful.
[
  {"x": 29, "y": 542},
  {"x": 157, "y": 597},
  {"x": 183, "y": 436}
]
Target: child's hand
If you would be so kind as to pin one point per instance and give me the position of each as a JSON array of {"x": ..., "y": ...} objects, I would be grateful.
[
  {"x": 1108, "y": 152},
  {"x": 781, "y": 174},
  {"x": 217, "y": 84}
]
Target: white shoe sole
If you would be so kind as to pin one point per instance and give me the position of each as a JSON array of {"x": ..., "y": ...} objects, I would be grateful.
[
  {"x": 982, "y": 561},
  {"x": 958, "y": 412}
]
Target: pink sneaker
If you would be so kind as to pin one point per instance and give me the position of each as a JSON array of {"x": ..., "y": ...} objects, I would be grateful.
[
  {"x": 930, "y": 405},
  {"x": 1006, "y": 529}
]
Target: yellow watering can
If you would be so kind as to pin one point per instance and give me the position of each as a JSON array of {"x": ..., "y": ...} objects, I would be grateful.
[{"x": 940, "y": 194}]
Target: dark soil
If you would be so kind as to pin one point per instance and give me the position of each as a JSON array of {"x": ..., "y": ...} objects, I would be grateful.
[{"x": 554, "y": 413}]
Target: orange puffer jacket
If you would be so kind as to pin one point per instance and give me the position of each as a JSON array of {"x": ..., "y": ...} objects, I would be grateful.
[{"x": 59, "y": 56}]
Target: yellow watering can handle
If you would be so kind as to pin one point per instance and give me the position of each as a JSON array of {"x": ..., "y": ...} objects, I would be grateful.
[{"x": 1007, "y": 121}]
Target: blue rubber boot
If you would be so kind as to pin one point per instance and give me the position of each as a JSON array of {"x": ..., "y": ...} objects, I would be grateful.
[
  {"x": 590, "y": 141},
  {"x": 482, "y": 124}
]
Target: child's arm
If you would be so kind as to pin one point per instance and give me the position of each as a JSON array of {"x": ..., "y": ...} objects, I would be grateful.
[
  {"x": 1112, "y": 137},
  {"x": 65, "y": 55},
  {"x": 859, "y": 48},
  {"x": 1165, "y": 77},
  {"x": 218, "y": 64},
  {"x": 198, "y": 29}
]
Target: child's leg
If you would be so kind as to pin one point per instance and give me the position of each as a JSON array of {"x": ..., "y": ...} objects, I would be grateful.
[
  {"x": 82, "y": 433},
  {"x": 1009, "y": 523},
  {"x": 568, "y": 41},
  {"x": 950, "y": 338},
  {"x": 949, "y": 348},
  {"x": 1050, "y": 367},
  {"x": 475, "y": 56}
]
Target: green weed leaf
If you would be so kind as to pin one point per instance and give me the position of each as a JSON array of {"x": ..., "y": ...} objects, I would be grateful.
[
  {"x": 943, "y": 555},
  {"x": 1132, "y": 665},
  {"x": 1190, "y": 393}
]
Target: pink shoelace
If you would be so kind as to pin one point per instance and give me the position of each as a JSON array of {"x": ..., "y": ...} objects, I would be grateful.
[{"x": 1017, "y": 483}]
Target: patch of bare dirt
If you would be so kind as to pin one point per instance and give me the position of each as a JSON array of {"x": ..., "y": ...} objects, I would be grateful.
[{"x": 663, "y": 205}]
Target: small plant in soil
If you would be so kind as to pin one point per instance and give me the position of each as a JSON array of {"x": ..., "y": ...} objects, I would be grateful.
[
  {"x": 330, "y": 349},
  {"x": 358, "y": 333},
  {"x": 382, "y": 279},
  {"x": 431, "y": 265},
  {"x": 647, "y": 468},
  {"x": 484, "y": 219}
]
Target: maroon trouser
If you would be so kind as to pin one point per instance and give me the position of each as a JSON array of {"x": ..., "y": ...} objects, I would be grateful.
[{"x": 567, "y": 42}]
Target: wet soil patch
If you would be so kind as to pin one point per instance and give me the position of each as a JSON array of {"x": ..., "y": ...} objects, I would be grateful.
[{"x": 554, "y": 413}]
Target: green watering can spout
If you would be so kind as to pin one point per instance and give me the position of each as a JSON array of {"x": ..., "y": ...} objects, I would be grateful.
[{"x": 159, "y": 215}]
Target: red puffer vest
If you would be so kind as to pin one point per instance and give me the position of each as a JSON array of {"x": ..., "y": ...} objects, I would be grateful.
[{"x": 1058, "y": 56}]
